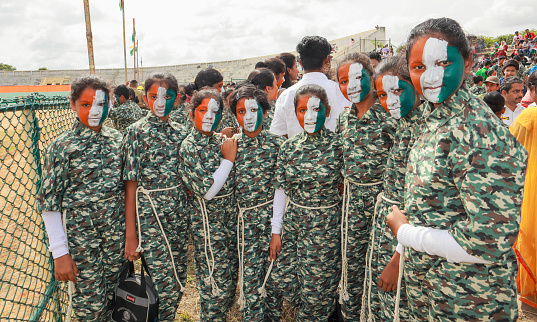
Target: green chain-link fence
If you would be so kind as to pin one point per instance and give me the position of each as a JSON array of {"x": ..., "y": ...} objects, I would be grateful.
[{"x": 28, "y": 290}]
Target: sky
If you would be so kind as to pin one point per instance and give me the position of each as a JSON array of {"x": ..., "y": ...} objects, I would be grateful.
[{"x": 52, "y": 33}]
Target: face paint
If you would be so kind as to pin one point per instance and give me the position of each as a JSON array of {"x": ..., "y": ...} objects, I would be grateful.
[
  {"x": 354, "y": 82},
  {"x": 395, "y": 95},
  {"x": 311, "y": 113},
  {"x": 208, "y": 115},
  {"x": 436, "y": 69},
  {"x": 117, "y": 102},
  {"x": 161, "y": 100},
  {"x": 249, "y": 114},
  {"x": 93, "y": 108}
]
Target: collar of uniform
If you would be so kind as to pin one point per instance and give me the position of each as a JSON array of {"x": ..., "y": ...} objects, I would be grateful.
[
  {"x": 155, "y": 120},
  {"x": 416, "y": 113},
  {"x": 319, "y": 136},
  {"x": 201, "y": 138},
  {"x": 314, "y": 75},
  {"x": 84, "y": 132},
  {"x": 440, "y": 115},
  {"x": 369, "y": 117},
  {"x": 255, "y": 139}
]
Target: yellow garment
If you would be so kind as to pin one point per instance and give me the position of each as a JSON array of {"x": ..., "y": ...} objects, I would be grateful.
[{"x": 524, "y": 128}]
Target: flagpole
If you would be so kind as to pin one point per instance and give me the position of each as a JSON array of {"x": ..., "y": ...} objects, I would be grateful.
[
  {"x": 124, "y": 41},
  {"x": 137, "y": 62},
  {"x": 89, "y": 37},
  {"x": 134, "y": 49},
  {"x": 142, "y": 67}
]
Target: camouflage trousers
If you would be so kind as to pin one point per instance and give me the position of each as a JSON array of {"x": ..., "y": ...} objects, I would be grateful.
[
  {"x": 308, "y": 267},
  {"x": 95, "y": 236},
  {"x": 380, "y": 304},
  {"x": 216, "y": 298},
  {"x": 169, "y": 206},
  {"x": 441, "y": 291},
  {"x": 360, "y": 215},
  {"x": 256, "y": 259}
]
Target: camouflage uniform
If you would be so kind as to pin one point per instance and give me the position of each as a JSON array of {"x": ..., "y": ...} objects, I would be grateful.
[
  {"x": 181, "y": 115},
  {"x": 309, "y": 170},
  {"x": 466, "y": 175},
  {"x": 255, "y": 167},
  {"x": 366, "y": 143},
  {"x": 125, "y": 114},
  {"x": 201, "y": 157},
  {"x": 478, "y": 90},
  {"x": 151, "y": 158},
  {"x": 528, "y": 70},
  {"x": 82, "y": 179},
  {"x": 382, "y": 248}
]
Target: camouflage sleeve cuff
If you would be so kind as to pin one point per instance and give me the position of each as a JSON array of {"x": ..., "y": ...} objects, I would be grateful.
[{"x": 56, "y": 235}]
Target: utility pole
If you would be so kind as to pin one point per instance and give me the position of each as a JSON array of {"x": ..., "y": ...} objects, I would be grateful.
[{"x": 89, "y": 37}]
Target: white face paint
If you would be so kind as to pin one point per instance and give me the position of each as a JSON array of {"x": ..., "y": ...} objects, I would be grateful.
[
  {"x": 435, "y": 50},
  {"x": 390, "y": 84},
  {"x": 210, "y": 115},
  {"x": 310, "y": 118},
  {"x": 96, "y": 111},
  {"x": 159, "y": 106},
  {"x": 250, "y": 118},
  {"x": 354, "y": 89}
]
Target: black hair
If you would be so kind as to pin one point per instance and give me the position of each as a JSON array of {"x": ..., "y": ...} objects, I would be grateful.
[
  {"x": 495, "y": 101},
  {"x": 312, "y": 89},
  {"x": 495, "y": 60},
  {"x": 532, "y": 81},
  {"x": 312, "y": 51},
  {"x": 248, "y": 91},
  {"x": 205, "y": 78},
  {"x": 508, "y": 83},
  {"x": 182, "y": 92},
  {"x": 396, "y": 65},
  {"x": 289, "y": 60},
  {"x": 260, "y": 64},
  {"x": 375, "y": 55},
  {"x": 203, "y": 94},
  {"x": 490, "y": 72},
  {"x": 487, "y": 63},
  {"x": 83, "y": 82},
  {"x": 133, "y": 82},
  {"x": 502, "y": 57},
  {"x": 448, "y": 28},
  {"x": 161, "y": 77},
  {"x": 511, "y": 63},
  {"x": 226, "y": 93},
  {"x": 276, "y": 65},
  {"x": 477, "y": 79},
  {"x": 132, "y": 96},
  {"x": 517, "y": 58},
  {"x": 261, "y": 78},
  {"x": 356, "y": 58},
  {"x": 122, "y": 90}
]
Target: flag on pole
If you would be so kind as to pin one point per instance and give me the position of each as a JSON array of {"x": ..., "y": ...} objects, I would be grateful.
[
  {"x": 133, "y": 49},
  {"x": 133, "y": 31},
  {"x": 121, "y": 5}
]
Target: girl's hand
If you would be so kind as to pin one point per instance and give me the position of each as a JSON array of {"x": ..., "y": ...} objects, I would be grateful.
[
  {"x": 130, "y": 248},
  {"x": 390, "y": 274},
  {"x": 395, "y": 219},
  {"x": 228, "y": 132},
  {"x": 275, "y": 246},
  {"x": 65, "y": 269},
  {"x": 229, "y": 149}
]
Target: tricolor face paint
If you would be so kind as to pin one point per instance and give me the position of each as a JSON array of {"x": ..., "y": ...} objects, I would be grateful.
[
  {"x": 436, "y": 69},
  {"x": 395, "y": 95},
  {"x": 161, "y": 100},
  {"x": 354, "y": 82},
  {"x": 249, "y": 114},
  {"x": 311, "y": 113},
  {"x": 92, "y": 107},
  {"x": 208, "y": 115}
]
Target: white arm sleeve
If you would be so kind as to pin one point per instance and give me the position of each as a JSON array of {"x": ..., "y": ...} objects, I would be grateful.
[
  {"x": 399, "y": 248},
  {"x": 278, "y": 209},
  {"x": 56, "y": 235},
  {"x": 220, "y": 177},
  {"x": 435, "y": 242}
]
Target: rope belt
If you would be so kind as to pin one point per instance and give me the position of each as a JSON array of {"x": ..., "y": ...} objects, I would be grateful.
[
  {"x": 240, "y": 250},
  {"x": 262, "y": 289},
  {"x": 139, "y": 248},
  {"x": 343, "y": 292},
  {"x": 369, "y": 280},
  {"x": 209, "y": 280}
]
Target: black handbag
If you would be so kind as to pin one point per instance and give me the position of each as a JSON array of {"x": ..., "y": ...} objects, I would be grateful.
[{"x": 136, "y": 298}]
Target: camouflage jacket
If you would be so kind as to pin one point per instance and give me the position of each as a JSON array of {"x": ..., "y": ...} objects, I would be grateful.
[
  {"x": 255, "y": 167},
  {"x": 201, "y": 157},
  {"x": 151, "y": 153},
  {"x": 125, "y": 114},
  {"x": 366, "y": 143},
  {"x": 466, "y": 175},
  {"x": 394, "y": 177},
  {"x": 478, "y": 90},
  {"x": 81, "y": 167},
  {"x": 181, "y": 115},
  {"x": 309, "y": 168}
]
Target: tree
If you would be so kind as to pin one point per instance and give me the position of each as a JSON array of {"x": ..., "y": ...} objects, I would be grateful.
[
  {"x": 43, "y": 68},
  {"x": 6, "y": 67}
]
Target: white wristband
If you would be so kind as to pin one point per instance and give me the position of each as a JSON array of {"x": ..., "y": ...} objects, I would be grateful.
[{"x": 56, "y": 236}]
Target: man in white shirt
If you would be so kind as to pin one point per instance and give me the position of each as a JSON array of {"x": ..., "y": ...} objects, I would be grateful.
[
  {"x": 512, "y": 90},
  {"x": 314, "y": 56}
]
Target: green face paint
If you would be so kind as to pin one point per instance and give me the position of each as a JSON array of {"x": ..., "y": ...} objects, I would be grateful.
[
  {"x": 117, "y": 99},
  {"x": 170, "y": 101},
  {"x": 106, "y": 108},
  {"x": 259, "y": 117},
  {"x": 365, "y": 82},
  {"x": 321, "y": 117},
  {"x": 407, "y": 97},
  {"x": 217, "y": 118},
  {"x": 453, "y": 73}
]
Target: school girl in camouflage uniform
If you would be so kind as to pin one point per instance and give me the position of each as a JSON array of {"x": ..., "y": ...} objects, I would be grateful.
[
  {"x": 82, "y": 181},
  {"x": 125, "y": 112},
  {"x": 399, "y": 98},
  {"x": 463, "y": 191},
  {"x": 367, "y": 135},
  {"x": 207, "y": 170},
  {"x": 264, "y": 79},
  {"x": 308, "y": 170},
  {"x": 155, "y": 195}
]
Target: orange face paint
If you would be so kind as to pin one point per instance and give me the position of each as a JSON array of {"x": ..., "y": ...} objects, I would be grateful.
[
  {"x": 92, "y": 107},
  {"x": 343, "y": 79},
  {"x": 207, "y": 115},
  {"x": 415, "y": 63}
]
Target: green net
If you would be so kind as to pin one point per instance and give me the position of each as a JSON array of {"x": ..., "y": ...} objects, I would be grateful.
[{"x": 28, "y": 290}]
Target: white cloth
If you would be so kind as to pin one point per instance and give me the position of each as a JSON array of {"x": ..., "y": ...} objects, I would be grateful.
[
  {"x": 220, "y": 177},
  {"x": 399, "y": 248},
  {"x": 56, "y": 236},
  {"x": 278, "y": 209},
  {"x": 435, "y": 242},
  {"x": 510, "y": 115},
  {"x": 285, "y": 121}
]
